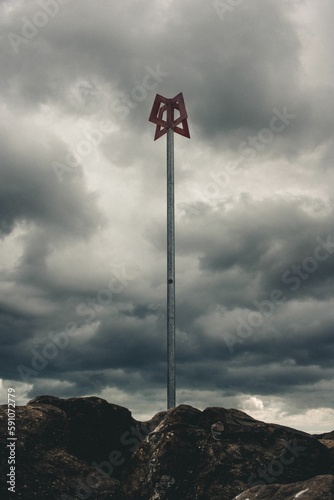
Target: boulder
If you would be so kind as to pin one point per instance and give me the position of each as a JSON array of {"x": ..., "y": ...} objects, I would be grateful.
[
  {"x": 317, "y": 488},
  {"x": 217, "y": 454},
  {"x": 97, "y": 428},
  {"x": 326, "y": 435},
  {"x": 328, "y": 440},
  {"x": 43, "y": 466}
]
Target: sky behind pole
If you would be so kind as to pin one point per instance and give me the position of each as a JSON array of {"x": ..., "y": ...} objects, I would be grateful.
[{"x": 83, "y": 204}]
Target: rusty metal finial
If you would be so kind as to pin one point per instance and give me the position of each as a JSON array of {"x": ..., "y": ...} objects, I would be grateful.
[{"x": 163, "y": 115}]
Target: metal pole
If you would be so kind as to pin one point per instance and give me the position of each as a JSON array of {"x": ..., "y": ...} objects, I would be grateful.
[
  {"x": 170, "y": 272},
  {"x": 162, "y": 114}
]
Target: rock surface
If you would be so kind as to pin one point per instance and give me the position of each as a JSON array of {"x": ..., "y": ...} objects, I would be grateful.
[
  {"x": 46, "y": 464},
  {"x": 88, "y": 448},
  {"x": 95, "y": 427},
  {"x": 217, "y": 454},
  {"x": 317, "y": 488}
]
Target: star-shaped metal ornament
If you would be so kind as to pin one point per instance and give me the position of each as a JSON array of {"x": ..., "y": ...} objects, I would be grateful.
[{"x": 164, "y": 116}]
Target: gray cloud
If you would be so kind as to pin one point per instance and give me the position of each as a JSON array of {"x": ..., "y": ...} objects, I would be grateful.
[
  {"x": 82, "y": 297},
  {"x": 30, "y": 191}
]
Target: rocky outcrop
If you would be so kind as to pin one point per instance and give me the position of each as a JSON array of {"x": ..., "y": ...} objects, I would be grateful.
[
  {"x": 317, "y": 488},
  {"x": 328, "y": 440},
  {"x": 46, "y": 463},
  {"x": 88, "y": 448},
  {"x": 217, "y": 454},
  {"x": 96, "y": 427}
]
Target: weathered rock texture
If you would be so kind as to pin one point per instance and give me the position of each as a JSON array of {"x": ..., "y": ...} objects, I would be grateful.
[
  {"x": 87, "y": 448},
  {"x": 217, "y": 454},
  {"x": 317, "y": 488},
  {"x": 52, "y": 449}
]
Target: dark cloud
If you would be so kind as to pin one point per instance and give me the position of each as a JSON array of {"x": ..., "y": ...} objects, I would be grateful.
[
  {"x": 82, "y": 304},
  {"x": 276, "y": 240},
  {"x": 30, "y": 190}
]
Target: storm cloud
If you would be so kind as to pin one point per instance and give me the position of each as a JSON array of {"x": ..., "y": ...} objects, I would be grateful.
[{"x": 83, "y": 204}]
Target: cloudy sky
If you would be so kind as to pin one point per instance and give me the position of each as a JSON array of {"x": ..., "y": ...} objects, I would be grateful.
[{"x": 83, "y": 204}]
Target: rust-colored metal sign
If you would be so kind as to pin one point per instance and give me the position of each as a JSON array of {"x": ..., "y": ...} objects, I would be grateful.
[{"x": 164, "y": 116}]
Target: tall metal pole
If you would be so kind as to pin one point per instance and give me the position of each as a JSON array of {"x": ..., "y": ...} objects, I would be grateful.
[
  {"x": 170, "y": 272},
  {"x": 162, "y": 114}
]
